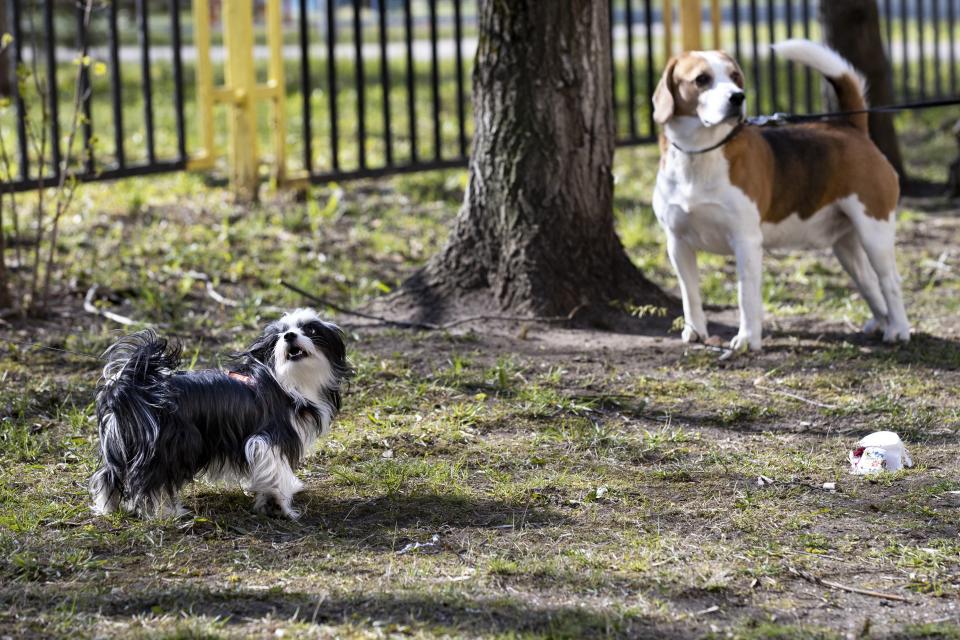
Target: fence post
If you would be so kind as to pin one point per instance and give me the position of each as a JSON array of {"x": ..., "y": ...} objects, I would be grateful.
[
  {"x": 715, "y": 22},
  {"x": 277, "y": 87},
  {"x": 690, "y": 24},
  {"x": 201, "y": 36},
  {"x": 667, "y": 17},
  {"x": 241, "y": 81}
]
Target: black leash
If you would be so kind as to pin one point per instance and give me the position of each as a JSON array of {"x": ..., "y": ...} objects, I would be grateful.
[
  {"x": 793, "y": 118},
  {"x": 780, "y": 119},
  {"x": 727, "y": 138}
]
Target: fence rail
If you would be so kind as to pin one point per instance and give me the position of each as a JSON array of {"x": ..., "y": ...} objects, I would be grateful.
[
  {"x": 47, "y": 92},
  {"x": 373, "y": 87}
]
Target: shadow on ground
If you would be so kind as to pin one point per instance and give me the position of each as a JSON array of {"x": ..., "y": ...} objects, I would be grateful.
[
  {"x": 452, "y": 614},
  {"x": 371, "y": 522}
]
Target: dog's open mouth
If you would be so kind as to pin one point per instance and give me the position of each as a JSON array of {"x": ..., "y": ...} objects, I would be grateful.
[{"x": 294, "y": 353}]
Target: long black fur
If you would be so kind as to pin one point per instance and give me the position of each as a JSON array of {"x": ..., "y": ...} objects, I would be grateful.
[{"x": 160, "y": 426}]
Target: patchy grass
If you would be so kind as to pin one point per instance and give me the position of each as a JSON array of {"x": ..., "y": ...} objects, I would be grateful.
[{"x": 561, "y": 484}]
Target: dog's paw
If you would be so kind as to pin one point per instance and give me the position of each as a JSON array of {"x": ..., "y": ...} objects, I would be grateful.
[
  {"x": 744, "y": 342},
  {"x": 163, "y": 512},
  {"x": 275, "y": 507},
  {"x": 269, "y": 505},
  {"x": 893, "y": 334},
  {"x": 875, "y": 326},
  {"x": 690, "y": 334}
]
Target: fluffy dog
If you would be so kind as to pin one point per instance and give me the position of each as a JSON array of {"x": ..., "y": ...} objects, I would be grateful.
[
  {"x": 731, "y": 188},
  {"x": 161, "y": 427}
]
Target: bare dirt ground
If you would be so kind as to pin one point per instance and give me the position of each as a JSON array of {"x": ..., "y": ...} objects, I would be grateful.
[{"x": 500, "y": 479}]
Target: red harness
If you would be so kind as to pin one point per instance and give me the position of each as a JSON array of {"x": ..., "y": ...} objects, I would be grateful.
[{"x": 240, "y": 377}]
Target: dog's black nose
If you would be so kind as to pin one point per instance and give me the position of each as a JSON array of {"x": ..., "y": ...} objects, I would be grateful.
[
  {"x": 290, "y": 336},
  {"x": 736, "y": 99}
]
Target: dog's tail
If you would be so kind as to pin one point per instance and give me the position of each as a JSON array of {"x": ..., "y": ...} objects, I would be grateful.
[
  {"x": 133, "y": 390},
  {"x": 847, "y": 81}
]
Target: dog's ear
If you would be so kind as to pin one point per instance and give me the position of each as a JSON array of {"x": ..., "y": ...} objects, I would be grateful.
[
  {"x": 331, "y": 341},
  {"x": 261, "y": 349},
  {"x": 663, "y": 96}
]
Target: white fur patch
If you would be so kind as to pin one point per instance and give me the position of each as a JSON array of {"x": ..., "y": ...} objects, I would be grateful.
[
  {"x": 714, "y": 103},
  {"x": 105, "y": 498},
  {"x": 299, "y": 317},
  {"x": 819, "y": 57},
  {"x": 270, "y": 476},
  {"x": 307, "y": 377}
]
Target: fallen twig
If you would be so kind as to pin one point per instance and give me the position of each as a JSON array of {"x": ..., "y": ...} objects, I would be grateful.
[
  {"x": 359, "y": 314},
  {"x": 704, "y": 612},
  {"x": 217, "y": 297},
  {"x": 227, "y": 302},
  {"x": 414, "y": 546},
  {"x": 208, "y": 282},
  {"x": 89, "y": 307},
  {"x": 796, "y": 397},
  {"x": 723, "y": 352},
  {"x": 429, "y": 326},
  {"x": 842, "y": 587},
  {"x": 545, "y": 319},
  {"x": 823, "y": 556}
]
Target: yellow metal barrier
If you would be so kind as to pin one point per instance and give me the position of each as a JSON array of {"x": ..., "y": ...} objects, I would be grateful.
[
  {"x": 715, "y": 22},
  {"x": 667, "y": 28},
  {"x": 240, "y": 81},
  {"x": 690, "y": 25},
  {"x": 240, "y": 92},
  {"x": 275, "y": 83},
  {"x": 201, "y": 26}
]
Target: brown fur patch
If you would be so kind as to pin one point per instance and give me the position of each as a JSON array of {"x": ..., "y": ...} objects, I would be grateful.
[
  {"x": 677, "y": 93},
  {"x": 850, "y": 98},
  {"x": 686, "y": 94},
  {"x": 801, "y": 169}
]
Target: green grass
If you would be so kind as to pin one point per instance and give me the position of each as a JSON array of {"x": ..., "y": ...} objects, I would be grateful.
[
  {"x": 609, "y": 488},
  {"x": 609, "y": 493}
]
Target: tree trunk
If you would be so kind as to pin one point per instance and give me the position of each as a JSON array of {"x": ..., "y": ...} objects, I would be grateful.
[
  {"x": 535, "y": 232},
  {"x": 6, "y": 70},
  {"x": 852, "y": 28},
  {"x": 5, "y": 300},
  {"x": 953, "y": 172}
]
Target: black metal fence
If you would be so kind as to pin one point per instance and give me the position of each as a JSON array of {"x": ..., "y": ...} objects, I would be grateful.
[
  {"x": 396, "y": 90},
  {"x": 920, "y": 38},
  {"x": 374, "y": 86},
  {"x": 919, "y": 35},
  {"x": 54, "y": 73}
]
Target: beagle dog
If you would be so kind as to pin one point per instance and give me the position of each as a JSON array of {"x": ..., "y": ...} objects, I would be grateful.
[{"x": 731, "y": 188}]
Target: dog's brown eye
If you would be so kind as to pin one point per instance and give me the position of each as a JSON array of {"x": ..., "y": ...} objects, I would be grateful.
[
  {"x": 736, "y": 78},
  {"x": 702, "y": 80}
]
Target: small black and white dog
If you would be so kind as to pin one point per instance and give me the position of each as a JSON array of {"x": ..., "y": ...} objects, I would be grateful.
[{"x": 161, "y": 427}]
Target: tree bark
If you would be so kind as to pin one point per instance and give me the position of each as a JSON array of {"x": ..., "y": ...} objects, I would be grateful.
[
  {"x": 953, "y": 172},
  {"x": 852, "y": 28},
  {"x": 535, "y": 232},
  {"x": 6, "y": 70}
]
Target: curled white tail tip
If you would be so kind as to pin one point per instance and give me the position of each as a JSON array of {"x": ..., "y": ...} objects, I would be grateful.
[{"x": 819, "y": 57}]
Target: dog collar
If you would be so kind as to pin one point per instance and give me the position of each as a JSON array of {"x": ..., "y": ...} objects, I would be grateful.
[
  {"x": 240, "y": 377},
  {"x": 727, "y": 138}
]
